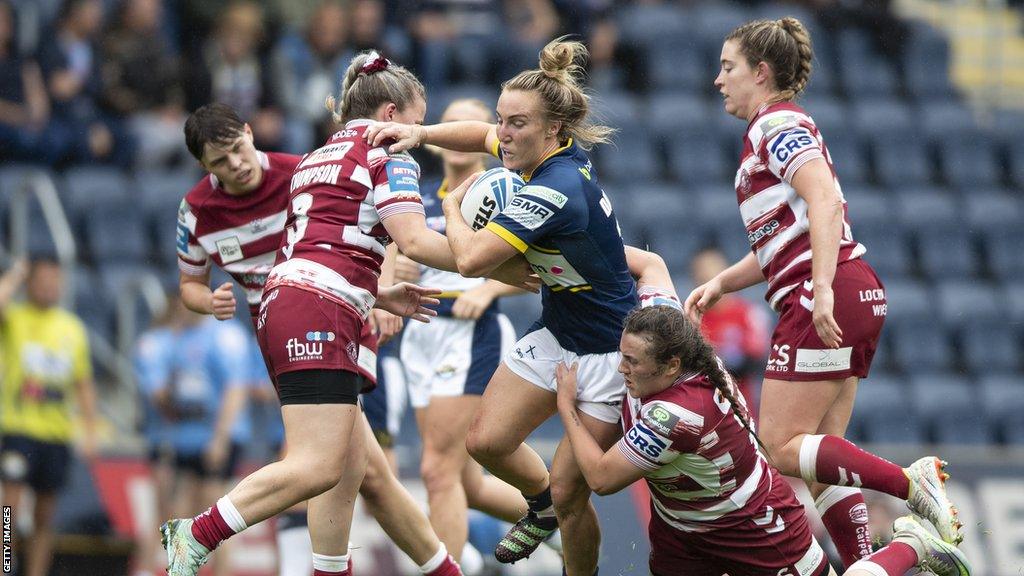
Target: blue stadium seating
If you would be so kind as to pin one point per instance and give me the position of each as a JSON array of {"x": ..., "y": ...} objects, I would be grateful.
[
  {"x": 866, "y": 206},
  {"x": 947, "y": 252},
  {"x": 697, "y": 157},
  {"x": 85, "y": 186},
  {"x": 946, "y": 120},
  {"x": 926, "y": 61},
  {"x": 908, "y": 301},
  {"x": 871, "y": 114},
  {"x": 951, "y": 407},
  {"x": 992, "y": 209},
  {"x": 630, "y": 158},
  {"x": 1002, "y": 395},
  {"x": 887, "y": 249},
  {"x": 969, "y": 160},
  {"x": 966, "y": 301},
  {"x": 848, "y": 157},
  {"x": 989, "y": 346},
  {"x": 676, "y": 114},
  {"x": 829, "y": 114},
  {"x": 648, "y": 25},
  {"x": 117, "y": 232},
  {"x": 677, "y": 63},
  {"x": 1013, "y": 298},
  {"x": 880, "y": 413},
  {"x": 922, "y": 208},
  {"x": 921, "y": 345},
  {"x": 1003, "y": 246},
  {"x": 92, "y": 302},
  {"x": 900, "y": 159}
]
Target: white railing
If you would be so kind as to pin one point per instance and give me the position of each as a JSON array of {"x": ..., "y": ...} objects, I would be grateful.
[{"x": 39, "y": 185}]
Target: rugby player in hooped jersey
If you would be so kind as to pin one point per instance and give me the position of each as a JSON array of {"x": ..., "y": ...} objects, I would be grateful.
[
  {"x": 235, "y": 218},
  {"x": 717, "y": 506},
  {"x": 346, "y": 201},
  {"x": 801, "y": 244},
  {"x": 563, "y": 223}
]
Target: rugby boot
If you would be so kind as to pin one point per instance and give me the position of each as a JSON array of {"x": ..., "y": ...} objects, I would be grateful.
[
  {"x": 185, "y": 555},
  {"x": 523, "y": 538},
  {"x": 934, "y": 555},
  {"x": 927, "y": 497}
]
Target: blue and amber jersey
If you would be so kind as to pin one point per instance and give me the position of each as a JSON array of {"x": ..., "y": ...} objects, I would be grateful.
[
  {"x": 452, "y": 284},
  {"x": 563, "y": 224}
]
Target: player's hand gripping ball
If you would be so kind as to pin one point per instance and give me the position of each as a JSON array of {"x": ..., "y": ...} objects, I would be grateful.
[{"x": 489, "y": 195}]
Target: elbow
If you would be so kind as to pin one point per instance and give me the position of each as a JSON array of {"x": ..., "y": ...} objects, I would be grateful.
[
  {"x": 602, "y": 489},
  {"x": 471, "y": 265}
]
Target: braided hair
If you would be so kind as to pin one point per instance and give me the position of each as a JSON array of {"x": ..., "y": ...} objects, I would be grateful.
[
  {"x": 783, "y": 44},
  {"x": 670, "y": 334}
]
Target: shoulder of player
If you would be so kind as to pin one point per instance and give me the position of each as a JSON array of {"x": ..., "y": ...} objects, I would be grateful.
[
  {"x": 775, "y": 119},
  {"x": 200, "y": 193},
  {"x": 284, "y": 162},
  {"x": 668, "y": 416}
]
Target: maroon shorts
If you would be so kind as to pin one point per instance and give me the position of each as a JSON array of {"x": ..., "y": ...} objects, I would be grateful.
[
  {"x": 301, "y": 330},
  {"x": 771, "y": 542},
  {"x": 860, "y": 307}
]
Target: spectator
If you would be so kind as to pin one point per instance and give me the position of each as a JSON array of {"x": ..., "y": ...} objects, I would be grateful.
[
  {"x": 369, "y": 31},
  {"x": 231, "y": 71},
  {"x": 193, "y": 373},
  {"x": 70, "y": 65},
  {"x": 307, "y": 69},
  {"x": 735, "y": 327},
  {"x": 140, "y": 80},
  {"x": 24, "y": 106},
  {"x": 46, "y": 371}
]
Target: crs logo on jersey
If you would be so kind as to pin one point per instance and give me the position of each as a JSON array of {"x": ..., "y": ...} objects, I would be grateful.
[
  {"x": 792, "y": 142},
  {"x": 645, "y": 441}
]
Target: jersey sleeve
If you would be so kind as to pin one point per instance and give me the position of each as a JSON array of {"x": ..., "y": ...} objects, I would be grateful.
[
  {"x": 661, "y": 432},
  {"x": 536, "y": 212},
  {"x": 192, "y": 258},
  {"x": 396, "y": 183},
  {"x": 788, "y": 144}
]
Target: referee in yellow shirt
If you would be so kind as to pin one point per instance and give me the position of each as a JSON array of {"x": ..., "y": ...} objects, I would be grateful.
[{"x": 46, "y": 367}]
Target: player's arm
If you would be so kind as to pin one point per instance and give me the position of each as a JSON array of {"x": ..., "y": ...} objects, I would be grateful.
[
  {"x": 814, "y": 183},
  {"x": 477, "y": 252},
  {"x": 472, "y": 303},
  {"x": 385, "y": 324},
  {"x": 743, "y": 274},
  {"x": 605, "y": 472},
  {"x": 462, "y": 135},
  {"x": 199, "y": 298},
  {"x": 11, "y": 281}
]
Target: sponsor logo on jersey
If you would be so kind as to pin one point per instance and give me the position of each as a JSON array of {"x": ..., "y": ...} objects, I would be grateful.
[
  {"x": 827, "y": 360},
  {"x": 445, "y": 371},
  {"x": 329, "y": 153},
  {"x": 767, "y": 126},
  {"x": 762, "y": 231},
  {"x": 645, "y": 441},
  {"x": 347, "y": 133},
  {"x": 405, "y": 171},
  {"x": 553, "y": 196},
  {"x": 303, "y": 351},
  {"x": 859, "y": 513},
  {"x": 661, "y": 420},
  {"x": 182, "y": 238},
  {"x": 528, "y": 213},
  {"x": 317, "y": 336},
  {"x": 353, "y": 351},
  {"x": 789, "y": 143},
  {"x": 229, "y": 249},
  {"x": 398, "y": 178}
]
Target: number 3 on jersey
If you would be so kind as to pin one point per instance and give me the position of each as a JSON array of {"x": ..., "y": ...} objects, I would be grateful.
[{"x": 300, "y": 208}]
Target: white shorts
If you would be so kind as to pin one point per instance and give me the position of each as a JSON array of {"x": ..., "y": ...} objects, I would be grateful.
[
  {"x": 453, "y": 357},
  {"x": 601, "y": 388}
]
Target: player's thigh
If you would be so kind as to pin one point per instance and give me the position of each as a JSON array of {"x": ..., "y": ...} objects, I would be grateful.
[
  {"x": 790, "y": 408},
  {"x": 510, "y": 409},
  {"x": 319, "y": 433},
  {"x": 837, "y": 419},
  {"x": 567, "y": 481}
]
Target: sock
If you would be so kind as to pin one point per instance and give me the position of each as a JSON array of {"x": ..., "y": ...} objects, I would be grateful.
[
  {"x": 893, "y": 560},
  {"x": 441, "y": 564},
  {"x": 836, "y": 461},
  {"x": 541, "y": 507},
  {"x": 845, "y": 516},
  {"x": 220, "y": 522},
  {"x": 324, "y": 565}
]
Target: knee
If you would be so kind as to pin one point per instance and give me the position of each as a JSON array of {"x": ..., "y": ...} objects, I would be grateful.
[
  {"x": 440, "y": 472},
  {"x": 317, "y": 477},
  {"x": 569, "y": 495},
  {"x": 783, "y": 452},
  {"x": 484, "y": 447},
  {"x": 374, "y": 482}
]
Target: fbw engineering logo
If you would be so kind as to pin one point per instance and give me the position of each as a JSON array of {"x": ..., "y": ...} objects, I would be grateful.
[{"x": 311, "y": 349}]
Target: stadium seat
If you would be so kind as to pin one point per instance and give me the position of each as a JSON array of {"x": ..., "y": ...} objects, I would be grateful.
[
  {"x": 677, "y": 63},
  {"x": 887, "y": 248},
  {"x": 439, "y": 99},
  {"x": 969, "y": 161},
  {"x": 630, "y": 158},
  {"x": 675, "y": 114},
  {"x": 946, "y": 120},
  {"x": 676, "y": 245},
  {"x": 849, "y": 157},
  {"x": 647, "y": 25},
  {"x": 989, "y": 346},
  {"x": 920, "y": 208},
  {"x": 965, "y": 301},
  {"x": 85, "y": 186},
  {"x": 829, "y": 114},
  {"x": 921, "y": 345},
  {"x": 1016, "y": 157},
  {"x": 900, "y": 159},
  {"x": 991, "y": 209},
  {"x": 866, "y": 206},
  {"x": 92, "y": 302},
  {"x": 951, "y": 406},
  {"x": 869, "y": 113},
  {"x": 880, "y": 414},
  {"x": 1002, "y": 396},
  {"x": 908, "y": 301},
  {"x": 117, "y": 232},
  {"x": 1003, "y": 246},
  {"x": 712, "y": 22},
  {"x": 926, "y": 62},
  {"x": 1013, "y": 298},
  {"x": 947, "y": 252},
  {"x": 698, "y": 157},
  {"x": 870, "y": 77},
  {"x": 621, "y": 110}
]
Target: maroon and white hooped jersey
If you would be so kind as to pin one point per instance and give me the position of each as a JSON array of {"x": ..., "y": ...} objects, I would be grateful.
[
  {"x": 703, "y": 468},
  {"x": 779, "y": 140},
  {"x": 241, "y": 234},
  {"x": 334, "y": 240}
]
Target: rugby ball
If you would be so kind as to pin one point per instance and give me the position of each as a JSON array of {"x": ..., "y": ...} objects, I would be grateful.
[{"x": 489, "y": 195}]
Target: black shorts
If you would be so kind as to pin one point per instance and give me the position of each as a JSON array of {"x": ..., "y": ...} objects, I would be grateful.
[
  {"x": 43, "y": 466},
  {"x": 319, "y": 386},
  {"x": 195, "y": 463}
]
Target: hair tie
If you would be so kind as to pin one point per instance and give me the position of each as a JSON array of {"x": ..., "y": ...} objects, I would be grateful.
[{"x": 375, "y": 63}]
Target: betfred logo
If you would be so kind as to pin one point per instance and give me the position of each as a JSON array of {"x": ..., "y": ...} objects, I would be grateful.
[{"x": 301, "y": 351}]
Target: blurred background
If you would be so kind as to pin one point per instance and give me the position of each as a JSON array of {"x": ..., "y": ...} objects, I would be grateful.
[{"x": 921, "y": 103}]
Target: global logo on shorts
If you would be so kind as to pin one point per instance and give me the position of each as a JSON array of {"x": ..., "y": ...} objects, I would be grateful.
[
  {"x": 859, "y": 513},
  {"x": 320, "y": 336}
]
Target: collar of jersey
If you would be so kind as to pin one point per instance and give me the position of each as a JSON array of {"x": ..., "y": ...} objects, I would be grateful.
[
  {"x": 527, "y": 176},
  {"x": 358, "y": 122}
]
